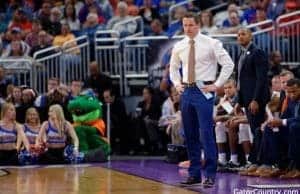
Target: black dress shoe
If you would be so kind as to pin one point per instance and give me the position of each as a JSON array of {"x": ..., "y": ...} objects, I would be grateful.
[
  {"x": 208, "y": 182},
  {"x": 191, "y": 181}
]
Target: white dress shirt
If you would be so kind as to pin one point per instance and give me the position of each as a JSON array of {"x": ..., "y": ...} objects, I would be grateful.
[{"x": 209, "y": 52}]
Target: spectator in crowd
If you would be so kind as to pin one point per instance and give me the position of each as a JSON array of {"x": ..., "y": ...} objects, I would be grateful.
[
  {"x": 149, "y": 113},
  {"x": 206, "y": 22},
  {"x": 12, "y": 136},
  {"x": 93, "y": 9},
  {"x": 97, "y": 80},
  {"x": 11, "y": 7},
  {"x": 29, "y": 7},
  {"x": 222, "y": 18},
  {"x": 31, "y": 39},
  {"x": 157, "y": 28},
  {"x": 290, "y": 32},
  {"x": 292, "y": 3},
  {"x": 133, "y": 10},
  {"x": 89, "y": 28},
  {"x": 16, "y": 50},
  {"x": 20, "y": 20},
  {"x": 53, "y": 25},
  {"x": 148, "y": 12},
  {"x": 16, "y": 97},
  {"x": 118, "y": 120},
  {"x": 171, "y": 117},
  {"x": 70, "y": 60},
  {"x": 124, "y": 29},
  {"x": 275, "y": 8},
  {"x": 5, "y": 39},
  {"x": 27, "y": 101},
  {"x": 291, "y": 6},
  {"x": 234, "y": 24},
  {"x": 275, "y": 85},
  {"x": 250, "y": 13},
  {"x": 85, "y": 10},
  {"x": 41, "y": 101},
  {"x": 4, "y": 82},
  {"x": 75, "y": 88},
  {"x": 253, "y": 89},
  {"x": 261, "y": 15},
  {"x": 77, "y": 5},
  {"x": 32, "y": 125},
  {"x": 275, "y": 64},
  {"x": 114, "y": 4},
  {"x": 175, "y": 28},
  {"x": 290, "y": 123},
  {"x": 9, "y": 90},
  {"x": 44, "y": 14},
  {"x": 16, "y": 35},
  {"x": 70, "y": 17},
  {"x": 164, "y": 6},
  {"x": 16, "y": 100},
  {"x": 106, "y": 9},
  {"x": 43, "y": 43},
  {"x": 174, "y": 129},
  {"x": 28, "y": 96},
  {"x": 54, "y": 133},
  {"x": 64, "y": 36},
  {"x": 91, "y": 25},
  {"x": 168, "y": 107}
]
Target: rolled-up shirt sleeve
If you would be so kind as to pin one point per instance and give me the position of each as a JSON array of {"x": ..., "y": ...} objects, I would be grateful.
[
  {"x": 174, "y": 67},
  {"x": 225, "y": 61}
]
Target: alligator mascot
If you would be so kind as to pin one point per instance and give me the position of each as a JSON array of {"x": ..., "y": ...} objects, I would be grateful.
[{"x": 86, "y": 111}]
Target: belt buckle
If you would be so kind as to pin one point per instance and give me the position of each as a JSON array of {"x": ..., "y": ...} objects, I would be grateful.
[{"x": 189, "y": 85}]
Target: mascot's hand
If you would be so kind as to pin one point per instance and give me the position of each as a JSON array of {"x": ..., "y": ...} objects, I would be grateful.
[
  {"x": 105, "y": 139},
  {"x": 75, "y": 151}
]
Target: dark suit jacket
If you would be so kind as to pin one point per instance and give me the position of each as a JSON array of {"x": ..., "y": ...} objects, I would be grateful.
[
  {"x": 254, "y": 77},
  {"x": 289, "y": 113},
  {"x": 99, "y": 83}
]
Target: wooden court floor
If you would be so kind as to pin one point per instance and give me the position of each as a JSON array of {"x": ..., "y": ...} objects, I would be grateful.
[{"x": 80, "y": 180}]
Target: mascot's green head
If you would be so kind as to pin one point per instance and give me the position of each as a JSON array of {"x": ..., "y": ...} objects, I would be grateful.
[{"x": 85, "y": 108}]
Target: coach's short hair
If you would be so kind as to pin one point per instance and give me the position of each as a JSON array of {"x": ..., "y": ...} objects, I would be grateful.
[
  {"x": 293, "y": 82},
  {"x": 192, "y": 15}
]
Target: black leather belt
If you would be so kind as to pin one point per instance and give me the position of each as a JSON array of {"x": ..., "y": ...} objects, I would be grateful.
[{"x": 189, "y": 85}]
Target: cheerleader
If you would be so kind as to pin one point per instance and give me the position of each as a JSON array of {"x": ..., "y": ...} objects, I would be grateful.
[
  {"x": 32, "y": 125},
  {"x": 54, "y": 133},
  {"x": 12, "y": 136}
]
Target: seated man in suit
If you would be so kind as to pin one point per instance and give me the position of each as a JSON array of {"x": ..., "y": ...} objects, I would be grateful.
[{"x": 290, "y": 123}]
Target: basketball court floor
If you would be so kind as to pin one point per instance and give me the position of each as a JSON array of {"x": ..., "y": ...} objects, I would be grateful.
[{"x": 129, "y": 175}]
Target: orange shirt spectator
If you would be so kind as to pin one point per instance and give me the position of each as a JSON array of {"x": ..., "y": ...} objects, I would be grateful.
[
  {"x": 293, "y": 29},
  {"x": 20, "y": 20}
]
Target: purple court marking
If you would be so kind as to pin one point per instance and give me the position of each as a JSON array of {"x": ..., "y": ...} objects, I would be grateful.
[{"x": 160, "y": 171}]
